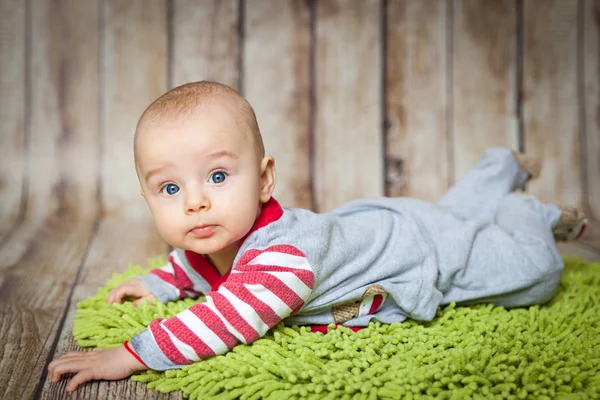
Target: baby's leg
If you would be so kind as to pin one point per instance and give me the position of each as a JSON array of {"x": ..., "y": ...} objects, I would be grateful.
[
  {"x": 478, "y": 194},
  {"x": 515, "y": 262}
]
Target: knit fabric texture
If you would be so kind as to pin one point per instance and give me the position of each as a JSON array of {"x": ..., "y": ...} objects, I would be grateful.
[{"x": 486, "y": 352}]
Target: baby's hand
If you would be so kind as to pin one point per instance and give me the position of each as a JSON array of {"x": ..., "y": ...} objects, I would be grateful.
[
  {"x": 132, "y": 288},
  {"x": 109, "y": 364}
]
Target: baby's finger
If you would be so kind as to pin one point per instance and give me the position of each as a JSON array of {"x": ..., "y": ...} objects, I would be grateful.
[
  {"x": 109, "y": 299},
  {"x": 138, "y": 302},
  {"x": 82, "y": 377},
  {"x": 111, "y": 295},
  {"x": 61, "y": 367},
  {"x": 148, "y": 299},
  {"x": 118, "y": 293},
  {"x": 73, "y": 354},
  {"x": 52, "y": 372}
]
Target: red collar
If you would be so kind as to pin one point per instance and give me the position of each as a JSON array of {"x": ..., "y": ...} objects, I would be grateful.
[
  {"x": 271, "y": 211},
  {"x": 206, "y": 270}
]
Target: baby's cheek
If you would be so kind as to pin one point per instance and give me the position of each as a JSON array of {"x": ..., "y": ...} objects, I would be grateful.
[
  {"x": 167, "y": 227},
  {"x": 245, "y": 219}
]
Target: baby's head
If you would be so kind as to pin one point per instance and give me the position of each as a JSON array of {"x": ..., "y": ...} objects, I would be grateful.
[{"x": 200, "y": 160}]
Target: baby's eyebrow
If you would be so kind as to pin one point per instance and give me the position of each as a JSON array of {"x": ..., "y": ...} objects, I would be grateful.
[
  {"x": 155, "y": 171},
  {"x": 223, "y": 153}
]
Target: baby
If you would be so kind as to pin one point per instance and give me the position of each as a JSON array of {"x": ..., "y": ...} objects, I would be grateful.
[{"x": 203, "y": 171}]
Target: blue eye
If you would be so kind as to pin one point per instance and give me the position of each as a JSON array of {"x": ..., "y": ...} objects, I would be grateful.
[
  {"x": 218, "y": 177},
  {"x": 170, "y": 189}
]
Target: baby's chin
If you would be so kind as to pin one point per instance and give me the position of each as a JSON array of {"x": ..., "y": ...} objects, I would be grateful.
[{"x": 203, "y": 246}]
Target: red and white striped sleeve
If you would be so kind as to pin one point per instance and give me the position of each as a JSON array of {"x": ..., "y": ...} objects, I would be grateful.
[
  {"x": 175, "y": 280},
  {"x": 263, "y": 288}
]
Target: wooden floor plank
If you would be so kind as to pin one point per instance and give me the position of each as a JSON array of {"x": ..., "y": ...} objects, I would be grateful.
[
  {"x": 33, "y": 294},
  {"x": 484, "y": 80},
  {"x": 42, "y": 256},
  {"x": 112, "y": 249},
  {"x": 52, "y": 257},
  {"x": 15, "y": 246},
  {"x": 348, "y": 146},
  {"x": 591, "y": 100},
  {"x": 12, "y": 111},
  {"x": 416, "y": 103},
  {"x": 62, "y": 158},
  {"x": 196, "y": 55},
  {"x": 550, "y": 99},
  {"x": 117, "y": 390},
  {"x": 273, "y": 28},
  {"x": 26, "y": 336}
]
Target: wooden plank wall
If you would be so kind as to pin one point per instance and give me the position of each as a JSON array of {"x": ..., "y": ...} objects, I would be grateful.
[{"x": 355, "y": 98}]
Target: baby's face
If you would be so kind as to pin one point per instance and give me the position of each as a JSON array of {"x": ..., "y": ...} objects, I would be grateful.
[{"x": 201, "y": 177}]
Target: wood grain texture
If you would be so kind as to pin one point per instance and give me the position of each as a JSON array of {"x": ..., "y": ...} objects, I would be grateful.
[
  {"x": 111, "y": 250},
  {"x": 205, "y": 41},
  {"x": 114, "y": 248},
  {"x": 39, "y": 262},
  {"x": 278, "y": 88},
  {"x": 44, "y": 274},
  {"x": 416, "y": 109},
  {"x": 348, "y": 82},
  {"x": 591, "y": 98},
  {"x": 62, "y": 153},
  {"x": 24, "y": 346},
  {"x": 12, "y": 111},
  {"x": 33, "y": 295},
  {"x": 484, "y": 80},
  {"x": 550, "y": 102},
  {"x": 135, "y": 74},
  {"x": 114, "y": 390}
]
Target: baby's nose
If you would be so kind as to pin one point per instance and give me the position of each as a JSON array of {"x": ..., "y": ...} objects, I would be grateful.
[{"x": 196, "y": 201}]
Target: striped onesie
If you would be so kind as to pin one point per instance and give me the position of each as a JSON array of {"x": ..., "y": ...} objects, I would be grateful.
[{"x": 384, "y": 259}]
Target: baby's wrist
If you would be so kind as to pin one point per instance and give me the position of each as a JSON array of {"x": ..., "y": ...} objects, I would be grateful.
[{"x": 131, "y": 351}]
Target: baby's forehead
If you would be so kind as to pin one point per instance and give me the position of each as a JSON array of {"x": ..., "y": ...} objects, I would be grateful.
[
  {"x": 213, "y": 113},
  {"x": 218, "y": 112},
  {"x": 206, "y": 129}
]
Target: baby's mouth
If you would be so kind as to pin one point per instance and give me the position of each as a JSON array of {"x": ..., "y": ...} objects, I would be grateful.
[{"x": 203, "y": 231}]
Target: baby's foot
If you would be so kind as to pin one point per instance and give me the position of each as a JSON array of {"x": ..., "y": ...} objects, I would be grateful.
[
  {"x": 570, "y": 226},
  {"x": 528, "y": 163}
]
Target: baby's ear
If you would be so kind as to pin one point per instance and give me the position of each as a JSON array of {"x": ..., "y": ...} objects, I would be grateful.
[{"x": 267, "y": 178}]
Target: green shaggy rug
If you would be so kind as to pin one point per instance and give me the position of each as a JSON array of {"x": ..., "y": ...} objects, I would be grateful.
[{"x": 479, "y": 352}]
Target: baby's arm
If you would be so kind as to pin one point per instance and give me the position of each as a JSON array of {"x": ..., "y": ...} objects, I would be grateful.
[
  {"x": 265, "y": 287},
  {"x": 175, "y": 280}
]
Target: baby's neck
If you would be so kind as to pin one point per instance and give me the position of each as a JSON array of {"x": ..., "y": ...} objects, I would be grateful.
[{"x": 223, "y": 259}]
